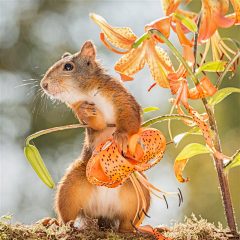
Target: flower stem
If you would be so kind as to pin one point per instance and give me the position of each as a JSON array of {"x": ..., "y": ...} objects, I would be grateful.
[
  {"x": 176, "y": 52},
  {"x": 196, "y": 34},
  {"x": 42, "y": 132},
  {"x": 235, "y": 57},
  {"x": 144, "y": 37},
  {"x": 222, "y": 176}
]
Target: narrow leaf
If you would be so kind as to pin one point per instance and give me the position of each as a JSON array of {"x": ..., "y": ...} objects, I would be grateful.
[
  {"x": 234, "y": 163},
  {"x": 149, "y": 109},
  {"x": 221, "y": 94},
  {"x": 213, "y": 66},
  {"x": 236, "y": 43},
  {"x": 186, "y": 21},
  {"x": 33, "y": 156},
  {"x": 182, "y": 159}
]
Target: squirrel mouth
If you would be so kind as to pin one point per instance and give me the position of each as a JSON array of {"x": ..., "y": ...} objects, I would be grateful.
[{"x": 57, "y": 93}]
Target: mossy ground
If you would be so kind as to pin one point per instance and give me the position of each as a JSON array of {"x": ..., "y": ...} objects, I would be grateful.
[{"x": 192, "y": 228}]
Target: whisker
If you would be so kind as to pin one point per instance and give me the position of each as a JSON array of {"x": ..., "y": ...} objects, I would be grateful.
[{"x": 24, "y": 84}]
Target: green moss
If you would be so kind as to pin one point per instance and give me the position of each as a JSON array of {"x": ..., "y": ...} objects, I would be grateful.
[{"x": 192, "y": 228}]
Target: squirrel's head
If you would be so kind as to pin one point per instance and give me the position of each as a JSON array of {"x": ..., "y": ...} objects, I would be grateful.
[{"x": 72, "y": 75}]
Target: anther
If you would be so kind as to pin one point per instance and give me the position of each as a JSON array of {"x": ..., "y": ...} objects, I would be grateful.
[
  {"x": 133, "y": 225},
  {"x": 165, "y": 200},
  {"x": 145, "y": 213}
]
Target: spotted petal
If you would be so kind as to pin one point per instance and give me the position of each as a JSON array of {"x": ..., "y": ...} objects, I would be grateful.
[
  {"x": 131, "y": 63},
  {"x": 119, "y": 37},
  {"x": 159, "y": 63}
]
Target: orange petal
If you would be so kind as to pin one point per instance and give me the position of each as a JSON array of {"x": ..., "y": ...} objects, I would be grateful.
[
  {"x": 119, "y": 37},
  {"x": 131, "y": 63},
  {"x": 102, "y": 37},
  {"x": 163, "y": 25},
  {"x": 155, "y": 144},
  {"x": 149, "y": 229},
  {"x": 224, "y": 6},
  {"x": 182, "y": 38},
  {"x": 236, "y": 6},
  {"x": 223, "y": 22},
  {"x": 169, "y": 6},
  {"x": 203, "y": 89},
  {"x": 159, "y": 63},
  {"x": 178, "y": 169}
]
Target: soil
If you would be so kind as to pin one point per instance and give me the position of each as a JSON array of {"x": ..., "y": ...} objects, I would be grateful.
[{"x": 192, "y": 228}]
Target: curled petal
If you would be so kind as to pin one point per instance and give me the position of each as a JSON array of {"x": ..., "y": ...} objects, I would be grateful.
[
  {"x": 178, "y": 169},
  {"x": 159, "y": 63},
  {"x": 131, "y": 63},
  {"x": 203, "y": 89},
  {"x": 224, "y": 6},
  {"x": 119, "y": 37},
  {"x": 182, "y": 38},
  {"x": 169, "y": 6},
  {"x": 102, "y": 37},
  {"x": 236, "y": 6},
  {"x": 163, "y": 25}
]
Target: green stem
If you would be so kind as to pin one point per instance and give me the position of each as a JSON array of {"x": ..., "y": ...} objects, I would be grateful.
[
  {"x": 42, "y": 132},
  {"x": 166, "y": 117},
  {"x": 235, "y": 57},
  {"x": 144, "y": 37},
  {"x": 176, "y": 52}
]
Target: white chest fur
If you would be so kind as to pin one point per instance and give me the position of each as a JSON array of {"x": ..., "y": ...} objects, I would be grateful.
[
  {"x": 101, "y": 103},
  {"x": 104, "y": 202}
]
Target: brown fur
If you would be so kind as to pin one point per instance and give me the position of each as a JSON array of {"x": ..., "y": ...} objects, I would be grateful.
[{"x": 74, "y": 191}]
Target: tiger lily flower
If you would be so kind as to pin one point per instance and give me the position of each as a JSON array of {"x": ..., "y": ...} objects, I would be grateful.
[
  {"x": 135, "y": 59},
  {"x": 105, "y": 172}
]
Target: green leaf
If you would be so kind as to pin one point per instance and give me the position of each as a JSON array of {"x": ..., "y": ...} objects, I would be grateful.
[
  {"x": 164, "y": 118},
  {"x": 235, "y": 162},
  {"x": 221, "y": 94},
  {"x": 182, "y": 159},
  {"x": 236, "y": 43},
  {"x": 192, "y": 150},
  {"x": 179, "y": 137},
  {"x": 186, "y": 21},
  {"x": 33, "y": 156},
  {"x": 149, "y": 109},
  {"x": 213, "y": 66}
]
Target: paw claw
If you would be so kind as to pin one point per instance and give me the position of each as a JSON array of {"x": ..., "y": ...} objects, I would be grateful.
[{"x": 121, "y": 139}]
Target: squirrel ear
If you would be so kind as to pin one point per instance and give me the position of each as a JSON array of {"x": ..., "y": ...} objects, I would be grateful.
[
  {"x": 88, "y": 50},
  {"x": 66, "y": 54}
]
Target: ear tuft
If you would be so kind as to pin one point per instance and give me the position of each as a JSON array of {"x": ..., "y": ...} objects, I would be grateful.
[
  {"x": 66, "y": 54},
  {"x": 88, "y": 50}
]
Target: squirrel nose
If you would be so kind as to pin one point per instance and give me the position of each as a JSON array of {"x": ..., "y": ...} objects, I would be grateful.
[{"x": 45, "y": 86}]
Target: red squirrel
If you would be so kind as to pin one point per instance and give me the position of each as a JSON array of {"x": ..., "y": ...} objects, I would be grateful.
[{"x": 97, "y": 99}]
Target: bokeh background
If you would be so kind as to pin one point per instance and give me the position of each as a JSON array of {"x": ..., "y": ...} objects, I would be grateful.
[{"x": 34, "y": 35}]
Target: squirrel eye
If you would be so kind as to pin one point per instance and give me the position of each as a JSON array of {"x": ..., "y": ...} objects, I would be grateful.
[{"x": 68, "y": 67}]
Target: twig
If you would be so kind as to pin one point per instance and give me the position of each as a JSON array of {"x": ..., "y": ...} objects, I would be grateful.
[{"x": 196, "y": 42}]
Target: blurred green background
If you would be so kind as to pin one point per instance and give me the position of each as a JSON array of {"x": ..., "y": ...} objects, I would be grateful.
[{"x": 34, "y": 35}]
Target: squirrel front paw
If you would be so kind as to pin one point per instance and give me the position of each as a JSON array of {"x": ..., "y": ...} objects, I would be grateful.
[
  {"x": 88, "y": 109},
  {"x": 121, "y": 139}
]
